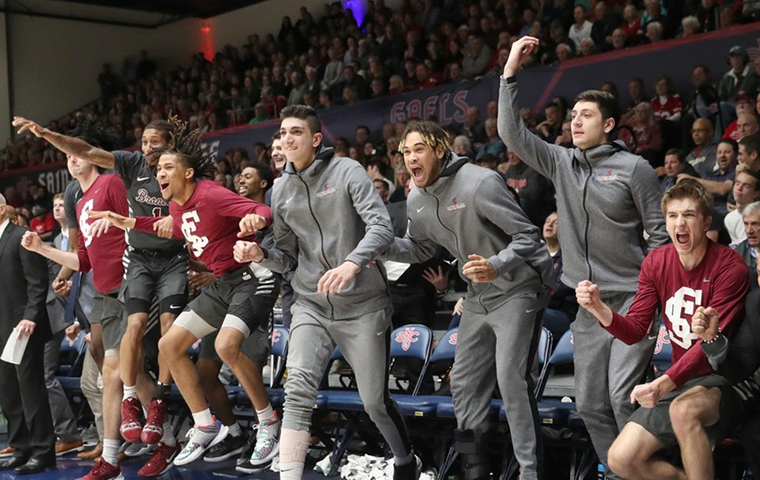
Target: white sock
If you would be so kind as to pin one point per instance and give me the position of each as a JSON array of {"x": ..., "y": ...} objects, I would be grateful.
[
  {"x": 168, "y": 438},
  {"x": 111, "y": 451},
  {"x": 203, "y": 418},
  {"x": 129, "y": 392},
  {"x": 266, "y": 415},
  {"x": 235, "y": 430},
  {"x": 291, "y": 471}
]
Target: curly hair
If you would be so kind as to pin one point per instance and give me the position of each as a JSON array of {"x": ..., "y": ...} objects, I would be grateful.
[
  {"x": 432, "y": 134},
  {"x": 187, "y": 146}
]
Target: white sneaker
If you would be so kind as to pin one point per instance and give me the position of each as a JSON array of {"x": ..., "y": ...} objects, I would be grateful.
[
  {"x": 267, "y": 447},
  {"x": 200, "y": 440}
]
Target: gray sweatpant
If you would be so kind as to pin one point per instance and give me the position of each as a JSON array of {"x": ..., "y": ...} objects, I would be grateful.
[
  {"x": 606, "y": 370},
  {"x": 364, "y": 342},
  {"x": 499, "y": 348}
]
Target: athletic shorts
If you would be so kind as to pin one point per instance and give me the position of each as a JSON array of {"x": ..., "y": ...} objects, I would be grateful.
[
  {"x": 657, "y": 420},
  {"x": 255, "y": 347},
  {"x": 232, "y": 301},
  {"x": 108, "y": 310},
  {"x": 163, "y": 274}
]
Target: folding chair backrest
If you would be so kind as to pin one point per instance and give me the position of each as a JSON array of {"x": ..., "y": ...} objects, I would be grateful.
[
  {"x": 280, "y": 337},
  {"x": 663, "y": 352},
  {"x": 544, "y": 354},
  {"x": 411, "y": 341},
  {"x": 563, "y": 353}
]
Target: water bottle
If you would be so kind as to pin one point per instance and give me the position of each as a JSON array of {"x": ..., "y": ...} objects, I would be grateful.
[{"x": 600, "y": 472}]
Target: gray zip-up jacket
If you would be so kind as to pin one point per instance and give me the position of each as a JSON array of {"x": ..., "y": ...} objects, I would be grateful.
[
  {"x": 606, "y": 198},
  {"x": 323, "y": 216},
  {"x": 469, "y": 210}
]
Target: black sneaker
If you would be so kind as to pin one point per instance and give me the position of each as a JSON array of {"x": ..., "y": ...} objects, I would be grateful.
[
  {"x": 229, "y": 447},
  {"x": 410, "y": 471}
]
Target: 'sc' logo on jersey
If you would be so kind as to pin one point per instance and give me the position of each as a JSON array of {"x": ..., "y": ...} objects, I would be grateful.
[
  {"x": 683, "y": 302},
  {"x": 189, "y": 221},
  {"x": 84, "y": 226}
]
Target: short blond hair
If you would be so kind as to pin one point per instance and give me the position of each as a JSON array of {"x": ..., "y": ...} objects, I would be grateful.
[{"x": 692, "y": 189}]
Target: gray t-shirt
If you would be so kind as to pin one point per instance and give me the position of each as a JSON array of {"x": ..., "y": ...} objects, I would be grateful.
[
  {"x": 71, "y": 196},
  {"x": 144, "y": 198}
]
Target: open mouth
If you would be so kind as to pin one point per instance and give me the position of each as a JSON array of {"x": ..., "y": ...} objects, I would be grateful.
[
  {"x": 163, "y": 186},
  {"x": 682, "y": 239},
  {"x": 417, "y": 173}
]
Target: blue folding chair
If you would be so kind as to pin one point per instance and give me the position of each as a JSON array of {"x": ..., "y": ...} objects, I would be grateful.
[
  {"x": 69, "y": 373},
  {"x": 543, "y": 355},
  {"x": 409, "y": 341}
]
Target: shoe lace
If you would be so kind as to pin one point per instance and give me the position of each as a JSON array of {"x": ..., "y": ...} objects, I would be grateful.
[
  {"x": 155, "y": 415},
  {"x": 191, "y": 434}
]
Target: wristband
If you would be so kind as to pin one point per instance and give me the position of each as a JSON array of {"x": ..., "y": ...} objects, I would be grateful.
[{"x": 708, "y": 342}]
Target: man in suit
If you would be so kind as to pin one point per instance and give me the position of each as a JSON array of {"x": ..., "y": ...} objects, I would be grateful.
[{"x": 23, "y": 397}]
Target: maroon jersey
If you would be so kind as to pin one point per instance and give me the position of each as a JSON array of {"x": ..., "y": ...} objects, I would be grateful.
[
  {"x": 103, "y": 254},
  {"x": 210, "y": 222},
  {"x": 720, "y": 281}
]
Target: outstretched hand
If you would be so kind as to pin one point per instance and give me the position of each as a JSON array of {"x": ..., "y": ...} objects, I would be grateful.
[
  {"x": 25, "y": 125},
  {"x": 116, "y": 220}
]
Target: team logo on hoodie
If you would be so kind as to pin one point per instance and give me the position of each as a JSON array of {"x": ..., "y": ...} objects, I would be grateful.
[
  {"x": 326, "y": 191},
  {"x": 610, "y": 177},
  {"x": 455, "y": 205}
]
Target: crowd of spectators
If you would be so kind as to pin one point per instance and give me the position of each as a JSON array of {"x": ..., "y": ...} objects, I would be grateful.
[{"x": 332, "y": 59}]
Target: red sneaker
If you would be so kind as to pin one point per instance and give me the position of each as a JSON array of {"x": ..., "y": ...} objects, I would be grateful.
[
  {"x": 103, "y": 470},
  {"x": 154, "y": 424},
  {"x": 131, "y": 428},
  {"x": 161, "y": 461}
]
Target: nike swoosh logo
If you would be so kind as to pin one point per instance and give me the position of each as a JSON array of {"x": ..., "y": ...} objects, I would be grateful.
[
  {"x": 174, "y": 307},
  {"x": 142, "y": 179},
  {"x": 420, "y": 209},
  {"x": 291, "y": 198},
  {"x": 380, "y": 333},
  {"x": 530, "y": 311}
]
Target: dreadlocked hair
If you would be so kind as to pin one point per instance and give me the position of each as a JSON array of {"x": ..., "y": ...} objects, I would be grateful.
[
  {"x": 432, "y": 134},
  {"x": 188, "y": 147}
]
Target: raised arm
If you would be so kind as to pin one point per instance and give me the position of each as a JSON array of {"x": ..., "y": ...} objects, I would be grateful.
[
  {"x": 68, "y": 145},
  {"x": 535, "y": 152}
]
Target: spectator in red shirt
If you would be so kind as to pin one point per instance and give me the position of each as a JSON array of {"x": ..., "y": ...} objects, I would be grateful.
[
  {"x": 424, "y": 77},
  {"x": 632, "y": 23},
  {"x": 43, "y": 223},
  {"x": 744, "y": 105},
  {"x": 686, "y": 278},
  {"x": 667, "y": 103}
]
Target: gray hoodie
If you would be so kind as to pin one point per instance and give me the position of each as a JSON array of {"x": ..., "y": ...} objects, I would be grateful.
[
  {"x": 606, "y": 198},
  {"x": 469, "y": 210},
  {"x": 323, "y": 216}
]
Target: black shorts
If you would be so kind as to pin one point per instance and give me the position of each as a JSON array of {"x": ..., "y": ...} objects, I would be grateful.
[
  {"x": 238, "y": 299},
  {"x": 153, "y": 272},
  {"x": 657, "y": 420}
]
